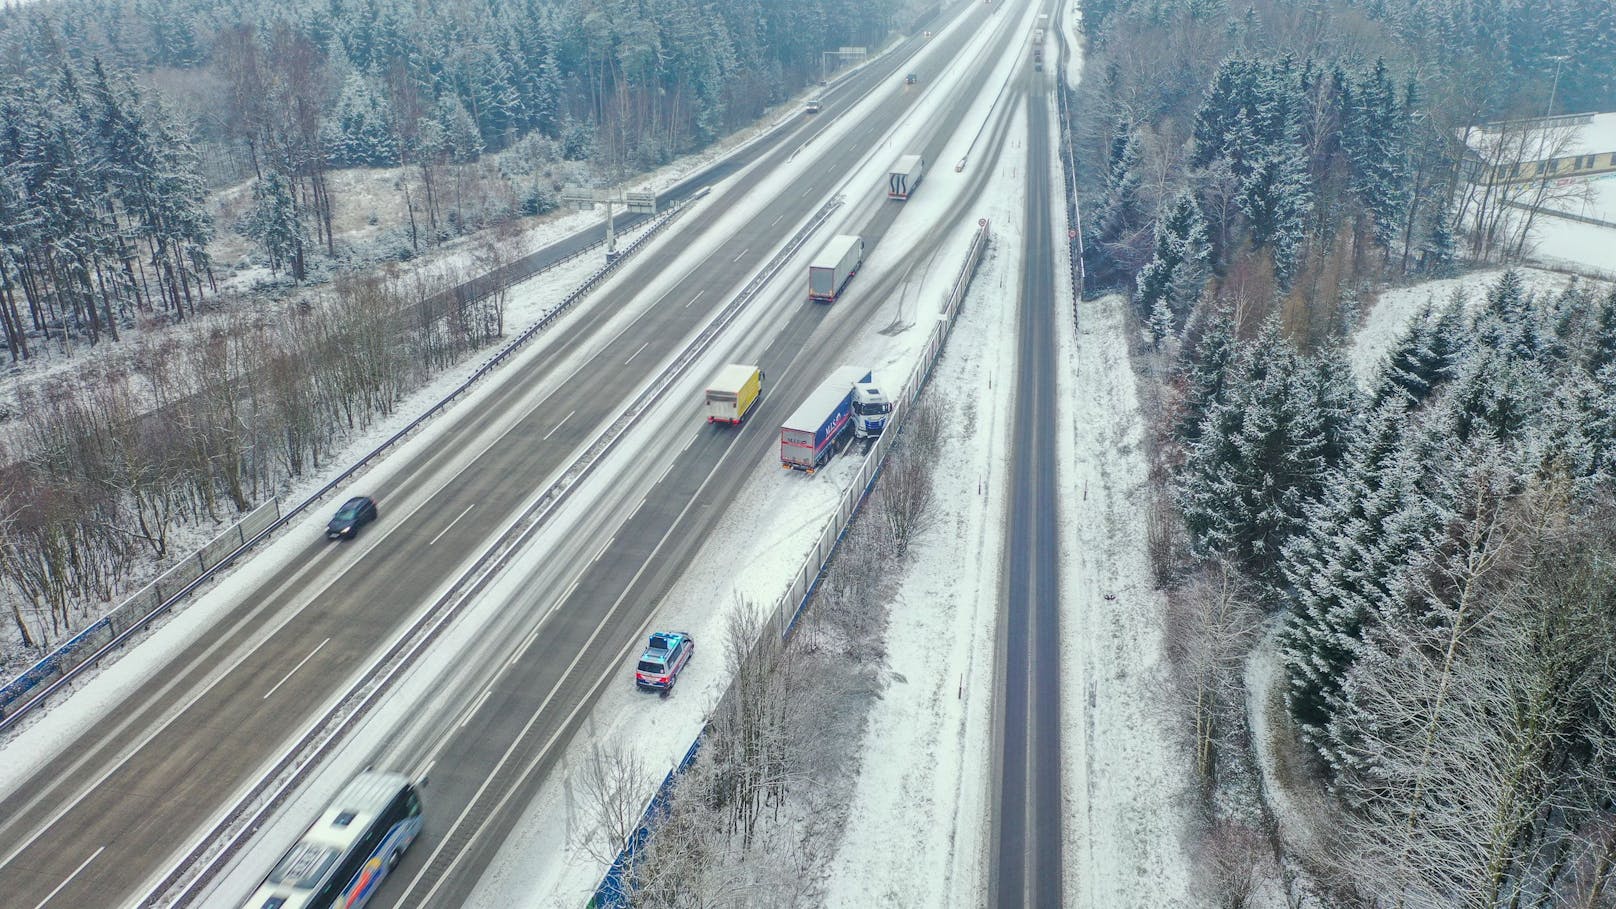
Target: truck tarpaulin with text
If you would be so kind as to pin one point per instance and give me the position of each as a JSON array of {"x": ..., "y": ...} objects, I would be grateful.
[
  {"x": 810, "y": 436},
  {"x": 830, "y": 271}
]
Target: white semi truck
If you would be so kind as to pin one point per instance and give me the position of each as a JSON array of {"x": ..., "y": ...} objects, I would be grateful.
[
  {"x": 835, "y": 265},
  {"x": 848, "y": 401}
]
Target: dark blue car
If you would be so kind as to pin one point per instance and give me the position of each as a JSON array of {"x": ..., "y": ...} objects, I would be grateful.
[{"x": 354, "y": 514}]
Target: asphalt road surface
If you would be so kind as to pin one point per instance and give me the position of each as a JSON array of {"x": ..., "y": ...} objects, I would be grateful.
[
  {"x": 1026, "y": 868},
  {"x": 93, "y": 828}
]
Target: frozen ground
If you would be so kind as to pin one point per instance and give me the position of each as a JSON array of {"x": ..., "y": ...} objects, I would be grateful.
[
  {"x": 1577, "y": 246},
  {"x": 1389, "y": 314},
  {"x": 1127, "y": 774},
  {"x": 927, "y": 749}
]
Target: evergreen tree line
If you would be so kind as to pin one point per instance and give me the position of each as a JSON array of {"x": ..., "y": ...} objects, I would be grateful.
[
  {"x": 1287, "y": 156},
  {"x": 1438, "y": 554},
  {"x": 102, "y": 470},
  {"x": 1502, "y": 53},
  {"x": 386, "y": 82},
  {"x": 101, "y": 214}
]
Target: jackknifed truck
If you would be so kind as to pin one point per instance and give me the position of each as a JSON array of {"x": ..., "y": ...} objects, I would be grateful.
[
  {"x": 905, "y": 176},
  {"x": 847, "y": 401},
  {"x": 731, "y": 393},
  {"x": 830, "y": 271}
]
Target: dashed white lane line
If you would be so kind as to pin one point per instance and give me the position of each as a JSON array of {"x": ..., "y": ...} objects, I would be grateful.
[
  {"x": 52, "y": 895},
  {"x": 559, "y": 425},
  {"x": 296, "y": 668},
  {"x": 636, "y": 353},
  {"x": 452, "y": 523}
]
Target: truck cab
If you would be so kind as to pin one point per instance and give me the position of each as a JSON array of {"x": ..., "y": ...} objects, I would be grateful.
[{"x": 871, "y": 410}]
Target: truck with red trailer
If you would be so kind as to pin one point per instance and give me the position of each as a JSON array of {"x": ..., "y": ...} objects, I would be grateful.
[
  {"x": 812, "y": 434},
  {"x": 835, "y": 265}
]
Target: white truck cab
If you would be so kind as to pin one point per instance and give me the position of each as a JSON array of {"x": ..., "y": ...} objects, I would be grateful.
[{"x": 871, "y": 410}]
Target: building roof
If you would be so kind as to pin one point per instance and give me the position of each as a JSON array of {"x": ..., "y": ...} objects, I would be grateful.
[{"x": 1564, "y": 136}]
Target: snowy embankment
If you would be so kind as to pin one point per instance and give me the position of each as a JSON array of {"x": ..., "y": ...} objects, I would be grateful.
[
  {"x": 1391, "y": 312},
  {"x": 1071, "y": 25},
  {"x": 1126, "y": 773},
  {"x": 927, "y": 749}
]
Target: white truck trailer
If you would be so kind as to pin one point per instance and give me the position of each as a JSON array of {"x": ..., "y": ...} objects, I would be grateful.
[
  {"x": 905, "y": 176},
  {"x": 830, "y": 271}
]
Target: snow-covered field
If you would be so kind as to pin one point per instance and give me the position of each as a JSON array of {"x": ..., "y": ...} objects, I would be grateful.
[
  {"x": 1392, "y": 310},
  {"x": 927, "y": 749}
]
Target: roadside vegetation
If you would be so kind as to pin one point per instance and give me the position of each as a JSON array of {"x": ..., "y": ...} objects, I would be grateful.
[
  {"x": 150, "y": 153},
  {"x": 762, "y": 806},
  {"x": 1391, "y": 594}
]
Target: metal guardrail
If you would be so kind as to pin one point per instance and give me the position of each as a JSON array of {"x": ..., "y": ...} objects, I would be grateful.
[
  {"x": 50, "y": 667},
  {"x": 782, "y": 618},
  {"x": 1074, "y": 208},
  {"x": 184, "y": 882}
]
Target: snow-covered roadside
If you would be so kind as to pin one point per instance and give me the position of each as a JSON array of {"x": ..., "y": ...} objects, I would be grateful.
[
  {"x": 43, "y": 736},
  {"x": 1383, "y": 325},
  {"x": 927, "y": 748},
  {"x": 1071, "y": 24},
  {"x": 1127, "y": 776}
]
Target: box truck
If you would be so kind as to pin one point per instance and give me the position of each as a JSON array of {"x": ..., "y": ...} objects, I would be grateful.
[
  {"x": 905, "y": 176},
  {"x": 809, "y": 437},
  {"x": 830, "y": 271},
  {"x": 731, "y": 393}
]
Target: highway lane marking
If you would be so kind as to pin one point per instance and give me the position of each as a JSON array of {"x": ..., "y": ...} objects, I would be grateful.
[
  {"x": 152, "y": 731},
  {"x": 776, "y": 219},
  {"x": 69, "y": 880},
  {"x": 603, "y": 549},
  {"x": 695, "y": 298},
  {"x": 741, "y": 253},
  {"x": 558, "y": 426},
  {"x": 571, "y": 587},
  {"x": 523, "y": 649},
  {"x": 481, "y": 700},
  {"x": 538, "y": 757},
  {"x": 296, "y": 668},
  {"x": 636, "y": 353},
  {"x": 452, "y": 523}
]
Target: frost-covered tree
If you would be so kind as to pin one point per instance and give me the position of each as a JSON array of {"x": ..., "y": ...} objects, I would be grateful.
[
  {"x": 1374, "y": 137},
  {"x": 362, "y": 131},
  {"x": 276, "y": 224},
  {"x": 1178, "y": 267},
  {"x": 1425, "y": 357},
  {"x": 1259, "y": 460},
  {"x": 1208, "y": 361}
]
